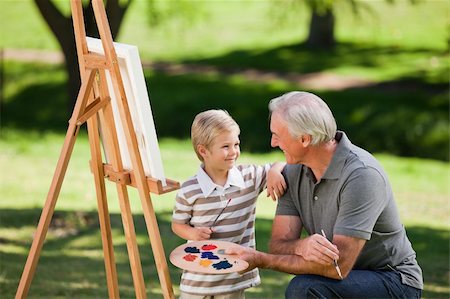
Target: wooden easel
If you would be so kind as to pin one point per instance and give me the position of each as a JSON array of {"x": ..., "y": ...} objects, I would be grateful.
[{"x": 93, "y": 106}]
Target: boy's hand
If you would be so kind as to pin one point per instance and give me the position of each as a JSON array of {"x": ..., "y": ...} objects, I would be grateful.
[
  {"x": 276, "y": 185},
  {"x": 201, "y": 233}
]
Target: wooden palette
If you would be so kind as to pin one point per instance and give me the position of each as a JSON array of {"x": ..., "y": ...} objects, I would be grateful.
[{"x": 207, "y": 257}]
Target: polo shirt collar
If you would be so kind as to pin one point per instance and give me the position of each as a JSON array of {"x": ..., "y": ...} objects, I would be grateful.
[
  {"x": 207, "y": 186},
  {"x": 340, "y": 156}
]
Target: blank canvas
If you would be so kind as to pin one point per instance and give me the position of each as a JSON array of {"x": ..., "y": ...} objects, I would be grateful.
[{"x": 139, "y": 104}]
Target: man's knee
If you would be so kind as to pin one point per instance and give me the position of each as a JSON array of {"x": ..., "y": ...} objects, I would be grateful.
[{"x": 300, "y": 286}]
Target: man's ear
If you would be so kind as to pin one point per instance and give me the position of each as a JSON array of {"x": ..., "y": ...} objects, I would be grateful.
[
  {"x": 201, "y": 149},
  {"x": 305, "y": 139}
]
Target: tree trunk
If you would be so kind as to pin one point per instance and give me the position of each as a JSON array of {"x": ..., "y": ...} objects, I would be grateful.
[
  {"x": 321, "y": 29},
  {"x": 62, "y": 28}
]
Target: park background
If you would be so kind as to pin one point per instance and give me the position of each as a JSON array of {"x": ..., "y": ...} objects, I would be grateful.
[{"x": 386, "y": 80}]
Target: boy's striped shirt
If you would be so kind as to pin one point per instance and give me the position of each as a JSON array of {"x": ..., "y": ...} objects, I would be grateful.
[{"x": 198, "y": 203}]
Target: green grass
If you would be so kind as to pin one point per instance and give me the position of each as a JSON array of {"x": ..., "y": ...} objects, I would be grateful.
[
  {"x": 383, "y": 43},
  {"x": 71, "y": 263}
]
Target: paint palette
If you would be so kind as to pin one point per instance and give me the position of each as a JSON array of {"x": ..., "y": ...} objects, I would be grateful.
[{"x": 207, "y": 257}]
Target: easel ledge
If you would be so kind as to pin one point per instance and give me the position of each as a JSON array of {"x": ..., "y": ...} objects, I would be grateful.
[{"x": 127, "y": 177}]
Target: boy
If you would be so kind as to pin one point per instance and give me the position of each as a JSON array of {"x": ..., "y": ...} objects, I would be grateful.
[{"x": 219, "y": 202}]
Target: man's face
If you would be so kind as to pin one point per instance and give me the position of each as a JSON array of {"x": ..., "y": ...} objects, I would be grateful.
[{"x": 291, "y": 147}]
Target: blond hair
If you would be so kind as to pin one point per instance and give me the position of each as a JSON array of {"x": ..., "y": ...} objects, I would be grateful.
[{"x": 207, "y": 125}]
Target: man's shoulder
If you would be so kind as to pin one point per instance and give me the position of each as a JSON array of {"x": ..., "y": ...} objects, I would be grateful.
[
  {"x": 293, "y": 168},
  {"x": 360, "y": 160},
  {"x": 292, "y": 171}
]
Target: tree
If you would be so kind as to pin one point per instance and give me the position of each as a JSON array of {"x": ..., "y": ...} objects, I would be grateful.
[
  {"x": 62, "y": 28},
  {"x": 322, "y": 23}
]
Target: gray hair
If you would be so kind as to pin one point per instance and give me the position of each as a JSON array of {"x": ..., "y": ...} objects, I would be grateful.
[{"x": 305, "y": 113}]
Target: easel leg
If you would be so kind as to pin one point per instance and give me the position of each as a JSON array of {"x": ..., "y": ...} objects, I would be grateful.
[
  {"x": 157, "y": 247},
  {"x": 103, "y": 214},
  {"x": 132, "y": 247},
  {"x": 112, "y": 150},
  {"x": 55, "y": 188}
]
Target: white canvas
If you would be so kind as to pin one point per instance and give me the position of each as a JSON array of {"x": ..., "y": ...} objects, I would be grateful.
[{"x": 139, "y": 104}]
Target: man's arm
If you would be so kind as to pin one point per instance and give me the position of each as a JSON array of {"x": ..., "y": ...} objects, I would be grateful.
[
  {"x": 349, "y": 250},
  {"x": 286, "y": 240},
  {"x": 285, "y": 234},
  {"x": 295, "y": 264},
  {"x": 311, "y": 255}
]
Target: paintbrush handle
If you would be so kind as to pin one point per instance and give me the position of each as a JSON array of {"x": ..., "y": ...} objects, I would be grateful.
[
  {"x": 338, "y": 270},
  {"x": 217, "y": 218}
]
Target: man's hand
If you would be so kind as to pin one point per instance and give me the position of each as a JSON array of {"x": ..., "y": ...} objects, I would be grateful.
[
  {"x": 318, "y": 249},
  {"x": 250, "y": 255}
]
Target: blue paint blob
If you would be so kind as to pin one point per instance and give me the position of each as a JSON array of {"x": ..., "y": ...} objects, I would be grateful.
[
  {"x": 222, "y": 265},
  {"x": 209, "y": 255},
  {"x": 192, "y": 250}
]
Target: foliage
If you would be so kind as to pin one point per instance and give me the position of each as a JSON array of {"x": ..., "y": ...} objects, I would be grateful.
[{"x": 182, "y": 12}]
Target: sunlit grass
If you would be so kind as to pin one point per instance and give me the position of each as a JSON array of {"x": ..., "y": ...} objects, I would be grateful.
[{"x": 30, "y": 161}]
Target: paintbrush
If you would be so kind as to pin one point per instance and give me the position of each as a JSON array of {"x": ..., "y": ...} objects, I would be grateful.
[
  {"x": 334, "y": 261},
  {"x": 217, "y": 218}
]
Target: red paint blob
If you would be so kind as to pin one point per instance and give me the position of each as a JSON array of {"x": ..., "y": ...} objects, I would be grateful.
[
  {"x": 190, "y": 257},
  {"x": 209, "y": 247}
]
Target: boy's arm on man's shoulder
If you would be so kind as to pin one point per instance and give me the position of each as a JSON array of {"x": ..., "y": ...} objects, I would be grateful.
[
  {"x": 276, "y": 184},
  {"x": 278, "y": 166}
]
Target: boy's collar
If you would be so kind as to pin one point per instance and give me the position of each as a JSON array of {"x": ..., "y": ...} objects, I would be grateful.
[{"x": 208, "y": 186}]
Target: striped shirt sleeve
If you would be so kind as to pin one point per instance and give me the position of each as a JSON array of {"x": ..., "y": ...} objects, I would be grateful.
[
  {"x": 182, "y": 212},
  {"x": 261, "y": 172}
]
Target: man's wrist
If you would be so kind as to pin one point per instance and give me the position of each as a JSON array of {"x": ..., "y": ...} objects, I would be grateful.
[{"x": 298, "y": 247}]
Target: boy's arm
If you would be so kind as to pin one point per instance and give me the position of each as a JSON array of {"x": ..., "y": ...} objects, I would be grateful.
[
  {"x": 188, "y": 232},
  {"x": 276, "y": 184}
]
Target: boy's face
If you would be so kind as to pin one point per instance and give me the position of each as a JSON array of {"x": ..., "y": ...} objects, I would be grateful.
[{"x": 223, "y": 152}]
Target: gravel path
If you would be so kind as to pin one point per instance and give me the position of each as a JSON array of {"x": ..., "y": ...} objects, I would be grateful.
[{"x": 318, "y": 80}]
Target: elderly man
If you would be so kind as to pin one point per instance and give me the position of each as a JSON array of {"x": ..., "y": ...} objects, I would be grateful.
[{"x": 340, "y": 191}]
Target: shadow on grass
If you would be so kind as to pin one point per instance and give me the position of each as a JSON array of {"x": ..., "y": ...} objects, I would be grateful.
[
  {"x": 405, "y": 123},
  {"x": 72, "y": 265},
  {"x": 299, "y": 58}
]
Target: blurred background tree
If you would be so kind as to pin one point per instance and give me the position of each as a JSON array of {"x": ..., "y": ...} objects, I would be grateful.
[
  {"x": 62, "y": 27},
  {"x": 321, "y": 30}
]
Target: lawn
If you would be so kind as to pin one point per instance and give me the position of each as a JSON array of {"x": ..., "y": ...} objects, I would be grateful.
[{"x": 71, "y": 263}]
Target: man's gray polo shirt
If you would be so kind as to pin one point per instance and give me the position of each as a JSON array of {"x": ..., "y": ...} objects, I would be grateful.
[{"x": 353, "y": 198}]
